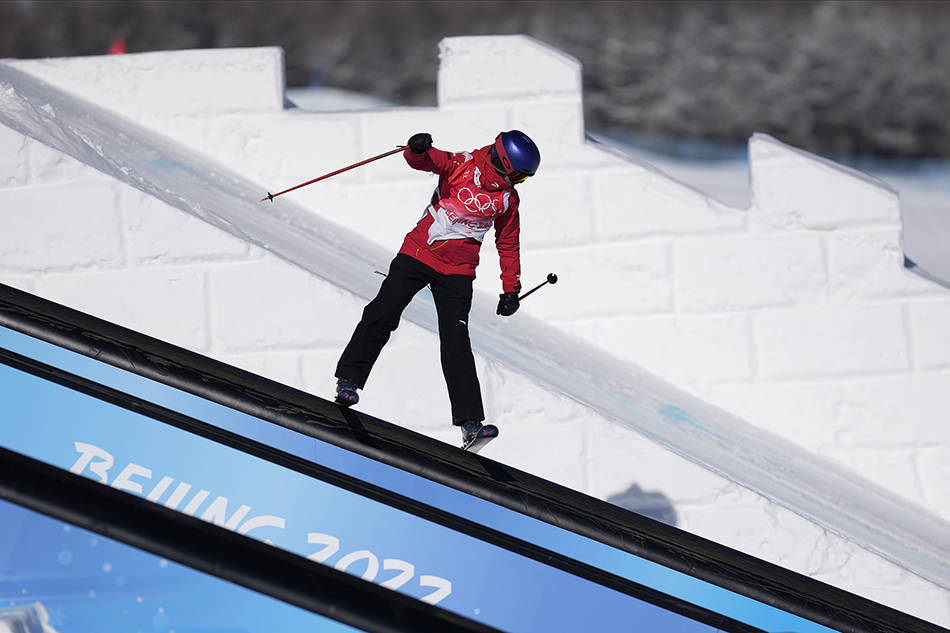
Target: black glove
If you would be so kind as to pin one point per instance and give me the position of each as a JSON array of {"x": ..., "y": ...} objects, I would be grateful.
[
  {"x": 507, "y": 303},
  {"x": 420, "y": 143}
]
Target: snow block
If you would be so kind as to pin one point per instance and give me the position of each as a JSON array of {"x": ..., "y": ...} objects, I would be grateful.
[
  {"x": 543, "y": 221},
  {"x": 460, "y": 130},
  {"x": 48, "y": 166},
  {"x": 541, "y": 92},
  {"x": 894, "y": 467},
  {"x": 59, "y": 228},
  {"x": 853, "y": 413},
  {"x": 26, "y": 283},
  {"x": 13, "y": 158},
  {"x": 160, "y": 84},
  {"x": 870, "y": 264},
  {"x": 745, "y": 273},
  {"x": 934, "y": 468},
  {"x": 684, "y": 350},
  {"x": 557, "y": 128},
  {"x": 616, "y": 457},
  {"x": 793, "y": 189},
  {"x": 930, "y": 323},
  {"x": 288, "y": 148},
  {"x": 611, "y": 280},
  {"x": 830, "y": 340},
  {"x": 289, "y": 308},
  {"x": 383, "y": 212},
  {"x": 496, "y": 68},
  {"x": 901, "y": 408},
  {"x": 639, "y": 201},
  {"x": 158, "y": 234},
  {"x": 167, "y": 303},
  {"x": 557, "y": 462}
]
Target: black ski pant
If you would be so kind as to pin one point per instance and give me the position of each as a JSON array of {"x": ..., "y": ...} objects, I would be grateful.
[{"x": 453, "y": 300}]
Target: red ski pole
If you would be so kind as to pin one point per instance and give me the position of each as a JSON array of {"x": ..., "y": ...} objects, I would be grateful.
[{"x": 270, "y": 196}]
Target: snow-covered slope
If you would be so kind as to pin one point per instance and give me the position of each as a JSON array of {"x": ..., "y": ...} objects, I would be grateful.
[{"x": 251, "y": 300}]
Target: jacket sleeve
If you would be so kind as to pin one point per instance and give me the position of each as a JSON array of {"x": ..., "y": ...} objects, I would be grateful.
[
  {"x": 507, "y": 241},
  {"x": 435, "y": 160}
]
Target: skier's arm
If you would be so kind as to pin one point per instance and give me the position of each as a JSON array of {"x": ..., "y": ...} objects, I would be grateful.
[
  {"x": 420, "y": 155},
  {"x": 507, "y": 241}
]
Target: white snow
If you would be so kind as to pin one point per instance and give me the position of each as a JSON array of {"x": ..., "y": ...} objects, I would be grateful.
[
  {"x": 329, "y": 99},
  {"x": 795, "y": 314},
  {"x": 924, "y": 197}
]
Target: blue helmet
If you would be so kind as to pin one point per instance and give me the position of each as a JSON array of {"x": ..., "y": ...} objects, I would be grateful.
[{"x": 515, "y": 156}]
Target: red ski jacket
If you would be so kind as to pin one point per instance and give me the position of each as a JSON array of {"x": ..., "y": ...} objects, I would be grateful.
[{"x": 470, "y": 198}]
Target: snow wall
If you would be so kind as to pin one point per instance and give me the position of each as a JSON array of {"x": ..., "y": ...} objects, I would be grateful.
[{"x": 795, "y": 315}]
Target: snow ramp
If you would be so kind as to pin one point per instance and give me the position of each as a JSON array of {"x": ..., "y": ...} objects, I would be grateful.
[{"x": 204, "y": 463}]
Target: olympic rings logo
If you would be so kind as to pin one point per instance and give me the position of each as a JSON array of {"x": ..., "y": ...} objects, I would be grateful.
[{"x": 480, "y": 203}]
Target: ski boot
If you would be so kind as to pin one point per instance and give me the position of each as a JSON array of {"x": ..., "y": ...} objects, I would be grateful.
[
  {"x": 476, "y": 435},
  {"x": 346, "y": 392}
]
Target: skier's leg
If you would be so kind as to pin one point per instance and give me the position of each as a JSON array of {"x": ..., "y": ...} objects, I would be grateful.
[
  {"x": 453, "y": 301},
  {"x": 380, "y": 318}
]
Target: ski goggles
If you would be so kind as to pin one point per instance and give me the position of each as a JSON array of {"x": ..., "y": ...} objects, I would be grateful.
[{"x": 502, "y": 164}]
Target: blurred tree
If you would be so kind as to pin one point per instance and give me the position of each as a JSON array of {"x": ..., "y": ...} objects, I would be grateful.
[{"x": 828, "y": 75}]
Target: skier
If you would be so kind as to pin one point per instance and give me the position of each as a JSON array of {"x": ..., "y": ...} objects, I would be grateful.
[{"x": 476, "y": 191}]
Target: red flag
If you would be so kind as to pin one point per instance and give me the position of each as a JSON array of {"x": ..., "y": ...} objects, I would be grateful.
[{"x": 117, "y": 47}]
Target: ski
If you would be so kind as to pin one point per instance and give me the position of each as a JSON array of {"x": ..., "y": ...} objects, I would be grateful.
[
  {"x": 478, "y": 441},
  {"x": 346, "y": 395}
]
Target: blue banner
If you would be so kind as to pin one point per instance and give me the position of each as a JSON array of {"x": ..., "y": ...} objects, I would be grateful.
[
  {"x": 382, "y": 544},
  {"x": 57, "y": 578}
]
